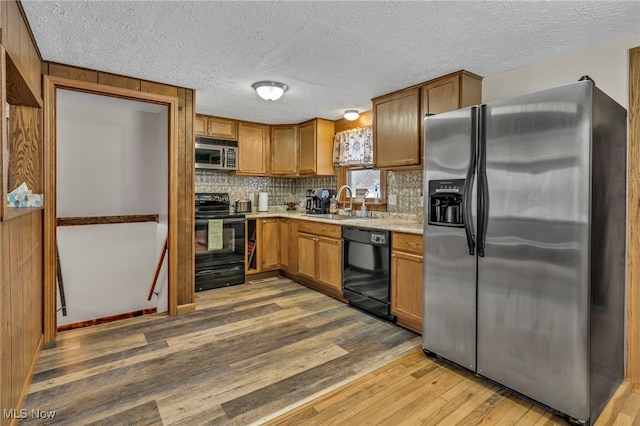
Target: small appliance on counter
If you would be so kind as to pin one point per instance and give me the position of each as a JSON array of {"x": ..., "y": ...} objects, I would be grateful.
[
  {"x": 319, "y": 200},
  {"x": 243, "y": 206},
  {"x": 263, "y": 202}
]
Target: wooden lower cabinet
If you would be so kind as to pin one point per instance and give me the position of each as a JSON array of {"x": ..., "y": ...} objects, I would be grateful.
[
  {"x": 270, "y": 242},
  {"x": 319, "y": 257},
  {"x": 287, "y": 228},
  {"x": 329, "y": 263},
  {"x": 307, "y": 255},
  {"x": 264, "y": 236},
  {"x": 406, "y": 280}
]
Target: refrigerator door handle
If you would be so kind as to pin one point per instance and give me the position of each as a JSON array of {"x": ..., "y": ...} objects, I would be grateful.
[
  {"x": 468, "y": 185},
  {"x": 483, "y": 193}
]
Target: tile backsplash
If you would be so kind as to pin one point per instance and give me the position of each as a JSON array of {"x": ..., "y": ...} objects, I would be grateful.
[
  {"x": 405, "y": 185},
  {"x": 280, "y": 190}
]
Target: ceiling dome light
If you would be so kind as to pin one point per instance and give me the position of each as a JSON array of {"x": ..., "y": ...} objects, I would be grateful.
[
  {"x": 269, "y": 90},
  {"x": 351, "y": 114}
]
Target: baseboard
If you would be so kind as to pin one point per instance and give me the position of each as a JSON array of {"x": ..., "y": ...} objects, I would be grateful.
[
  {"x": 104, "y": 320},
  {"x": 260, "y": 275},
  {"x": 186, "y": 308},
  {"x": 27, "y": 379}
]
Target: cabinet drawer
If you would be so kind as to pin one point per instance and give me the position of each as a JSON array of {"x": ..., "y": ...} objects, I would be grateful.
[
  {"x": 411, "y": 243},
  {"x": 319, "y": 228}
]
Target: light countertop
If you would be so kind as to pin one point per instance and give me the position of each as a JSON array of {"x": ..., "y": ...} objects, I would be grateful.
[{"x": 385, "y": 223}]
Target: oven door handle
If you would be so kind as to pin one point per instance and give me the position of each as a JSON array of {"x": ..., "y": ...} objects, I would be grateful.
[
  {"x": 233, "y": 220},
  {"x": 225, "y": 221},
  {"x": 217, "y": 271}
]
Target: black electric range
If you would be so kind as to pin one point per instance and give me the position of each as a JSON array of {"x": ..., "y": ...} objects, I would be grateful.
[{"x": 219, "y": 242}]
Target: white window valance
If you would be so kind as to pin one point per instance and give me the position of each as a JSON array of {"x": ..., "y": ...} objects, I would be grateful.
[{"x": 353, "y": 147}]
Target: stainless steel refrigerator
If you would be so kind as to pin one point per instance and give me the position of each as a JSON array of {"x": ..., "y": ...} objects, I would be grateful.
[{"x": 524, "y": 244}]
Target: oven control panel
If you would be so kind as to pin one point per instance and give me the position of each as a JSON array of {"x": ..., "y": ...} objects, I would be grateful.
[{"x": 378, "y": 238}]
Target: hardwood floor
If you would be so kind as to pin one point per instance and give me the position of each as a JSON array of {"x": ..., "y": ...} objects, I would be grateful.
[
  {"x": 416, "y": 390},
  {"x": 247, "y": 352},
  {"x": 275, "y": 353}
]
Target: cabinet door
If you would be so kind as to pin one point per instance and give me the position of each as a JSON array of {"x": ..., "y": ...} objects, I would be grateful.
[
  {"x": 270, "y": 244},
  {"x": 329, "y": 264},
  {"x": 406, "y": 289},
  {"x": 284, "y": 150},
  {"x": 396, "y": 129},
  {"x": 441, "y": 96},
  {"x": 307, "y": 255},
  {"x": 222, "y": 128},
  {"x": 200, "y": 125},
  {"x": 308, "y": 152},
  {"x": 285, "y": 263},
  {"x": 253, "y": 143}
]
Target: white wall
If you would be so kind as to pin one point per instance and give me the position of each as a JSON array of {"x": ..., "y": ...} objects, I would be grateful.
[
  {"x": 112, "y": 159},
  {"x": 606, "y": 64}
]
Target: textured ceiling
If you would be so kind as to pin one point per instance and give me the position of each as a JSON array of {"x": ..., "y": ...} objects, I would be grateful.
[{"x": 333, "y": 55}]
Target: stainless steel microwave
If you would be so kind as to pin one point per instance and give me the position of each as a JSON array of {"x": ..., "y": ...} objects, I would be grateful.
[{"x": 214, "y": 154}]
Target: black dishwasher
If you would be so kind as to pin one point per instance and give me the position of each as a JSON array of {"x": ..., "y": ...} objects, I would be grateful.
[{"x": 366, "y": 282}]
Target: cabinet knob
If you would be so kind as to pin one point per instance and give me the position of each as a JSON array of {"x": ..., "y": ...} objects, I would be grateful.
[{"x": 412, "y": 243}]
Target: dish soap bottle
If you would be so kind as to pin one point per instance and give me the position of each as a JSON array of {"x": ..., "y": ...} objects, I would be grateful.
[
  {"x": 375, "y": 194},
  {"x": 333, "y": 205},
  {"x": 363, "y": 210}
]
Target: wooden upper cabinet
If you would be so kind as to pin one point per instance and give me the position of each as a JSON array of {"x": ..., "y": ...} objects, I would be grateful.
[
  {"x": 216, "y": 127},
  {"x": 284, "y": 150},
  {"x": 200, "y": 125},
  {"x": 396, "y": 129},
  {"x": 450, "y": 92},
  {"x": 398, "y": 118},
  {"x": 441, "y": 96},
  {"x": 253, "y": 149},
  {"x": 316, "y": 148}
]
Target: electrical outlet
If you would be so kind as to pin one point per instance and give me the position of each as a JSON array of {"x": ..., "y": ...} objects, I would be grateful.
[
  {"x": 421, "y": 202},
  {"x": 392, "y": 200}
]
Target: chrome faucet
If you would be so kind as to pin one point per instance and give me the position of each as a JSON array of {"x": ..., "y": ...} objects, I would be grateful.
[{"x": 342, "y": 188}]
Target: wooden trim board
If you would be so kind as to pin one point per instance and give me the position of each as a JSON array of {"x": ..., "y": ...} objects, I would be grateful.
[
  {"x": 633, "y": 221},
  {"x": 51, "y": 84}
]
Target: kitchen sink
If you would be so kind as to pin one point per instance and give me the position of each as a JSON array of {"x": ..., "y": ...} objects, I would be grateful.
[{"x": 335, "y": 216}]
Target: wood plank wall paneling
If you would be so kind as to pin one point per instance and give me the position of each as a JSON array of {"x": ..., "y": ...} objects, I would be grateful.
[
  {"x": 25, "y": 154},
  {"x": 633, "y": 221},
  {"x": 186, "y": 177},
  {"x": 5, "y": 325},
  {"x": 118, "y": 81},
  {"x": 21, "y": 298},
  {"x": 4, "y": 166}
]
